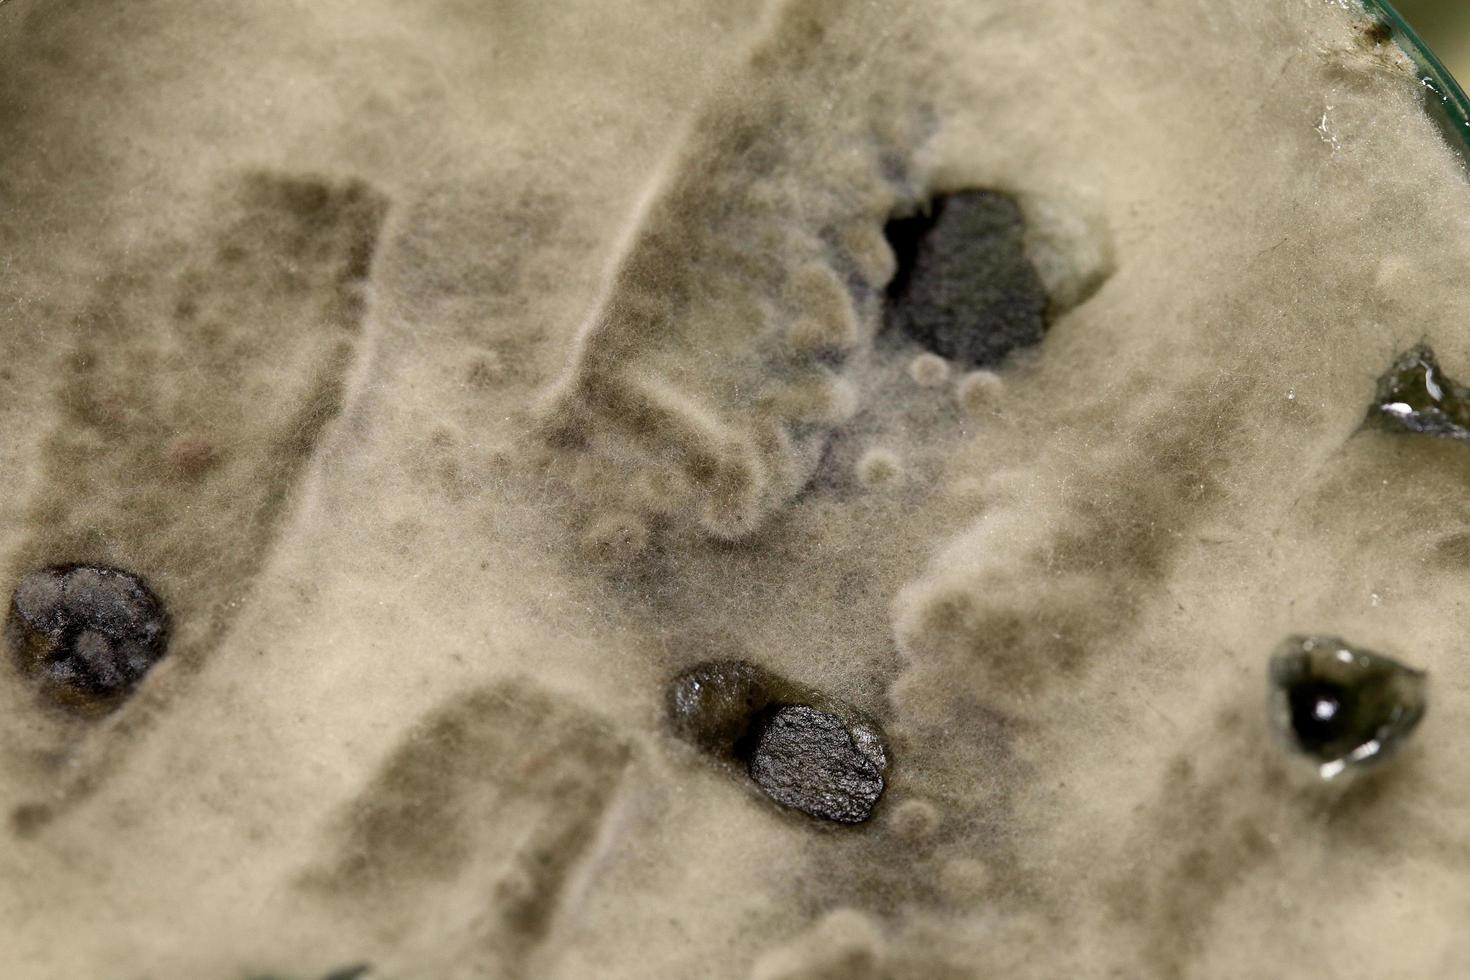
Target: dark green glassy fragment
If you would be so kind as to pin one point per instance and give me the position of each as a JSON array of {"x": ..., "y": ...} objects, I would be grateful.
[
  {"x": 1415, "y": 396},
  {"x": 1341, "y": 706}
]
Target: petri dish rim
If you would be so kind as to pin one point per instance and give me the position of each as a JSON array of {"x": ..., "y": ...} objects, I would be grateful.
[{"x": 1444, "y": 100}]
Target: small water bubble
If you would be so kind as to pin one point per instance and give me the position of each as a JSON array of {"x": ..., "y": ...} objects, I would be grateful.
[{"x": 1341, "y": 706}]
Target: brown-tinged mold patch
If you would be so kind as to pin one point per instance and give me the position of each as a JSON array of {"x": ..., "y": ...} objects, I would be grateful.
[
  {"x": 161, "y": 428},
  {"x": 1452, "y": 550},
  {"x": 197, "y": 381},
  {"x": 1375, "y": 32},
  {"x": 1176, "y": 875},
  {"x": 356, "y": 972},
  {"x": 1113, "y": 532},
  {"x": 491, "y": 803},
  {"x": 752, "y": 275}
]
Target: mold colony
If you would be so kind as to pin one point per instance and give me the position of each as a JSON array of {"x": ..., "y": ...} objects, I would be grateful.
[
  {"x": 85, "y": 635},
  {"x": 963, "y": 288},
  {"x": 873, "y": 576}
]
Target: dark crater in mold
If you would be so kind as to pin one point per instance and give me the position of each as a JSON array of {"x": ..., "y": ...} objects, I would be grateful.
[
  {"x": 1341, "y": 706},
  {"x": 801, "y": 748},
  {"x": 86, "y": 634},
  {"x": 1414, "y": 395},
  {"x": 964, "y": 287}
]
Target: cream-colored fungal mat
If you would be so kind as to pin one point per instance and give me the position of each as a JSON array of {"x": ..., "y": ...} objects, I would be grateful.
[{"x": 460, "y": 372}]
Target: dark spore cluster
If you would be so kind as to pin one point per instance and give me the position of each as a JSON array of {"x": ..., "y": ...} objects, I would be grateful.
[
  {"x": 85, "y": 634},
  {"x": 801, "y": 748}
]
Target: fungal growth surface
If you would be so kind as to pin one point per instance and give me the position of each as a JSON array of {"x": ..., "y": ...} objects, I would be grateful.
[
  {"x": 1341, "y": 706},
  {"x": 85, "y": 635},
  {"x": 730, "y": 489},
  {"x": 197, "y": 373}
]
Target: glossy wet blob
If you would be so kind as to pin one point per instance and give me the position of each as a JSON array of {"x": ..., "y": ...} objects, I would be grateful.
[
  {"x": 1416, "y": 396},
  {"x": 1341, "y": 706},
  {"x": 86, "y": 634}
]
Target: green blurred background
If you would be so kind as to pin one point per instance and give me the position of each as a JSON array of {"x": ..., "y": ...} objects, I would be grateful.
[{"x": 1445, "y": 27}]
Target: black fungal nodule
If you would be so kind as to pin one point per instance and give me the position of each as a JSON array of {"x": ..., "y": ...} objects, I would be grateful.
[
  {"x": 964, "y": 287},
  {"x": 85, "y": 634},
  {"x": 809, "y": 760},
  {"x": 1415, "y": 396},
  {"x": 802, "y": 749},
  {"x": 1341, "y": 706}
]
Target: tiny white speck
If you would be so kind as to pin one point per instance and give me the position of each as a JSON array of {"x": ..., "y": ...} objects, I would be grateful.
[{"x": 1325, "y": 131}]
